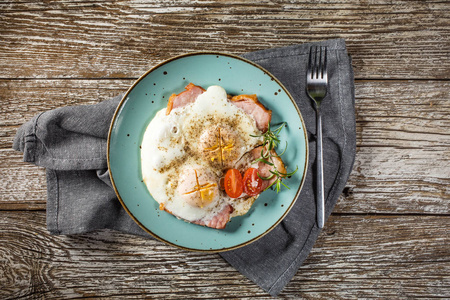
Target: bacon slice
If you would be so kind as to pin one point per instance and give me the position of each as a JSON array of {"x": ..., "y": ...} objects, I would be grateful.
[
  {"x": 184, "y": 98},
  {"x": 251, "y": 105},
  {"x": 220, "y": 220},
  {"x": 264, "y": 169}
]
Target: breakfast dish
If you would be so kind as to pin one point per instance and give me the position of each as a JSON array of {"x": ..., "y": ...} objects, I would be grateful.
[{"x": 204, "y": 158}]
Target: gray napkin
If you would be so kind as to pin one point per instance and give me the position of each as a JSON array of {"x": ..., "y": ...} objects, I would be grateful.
[{"x": 70, "y": 142}]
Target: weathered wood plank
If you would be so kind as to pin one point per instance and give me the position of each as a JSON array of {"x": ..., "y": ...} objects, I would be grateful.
[
  {"x": 23, "y": 99},
  {"x": 389, "y": 235},
  {"x": 355, "y": 256},
  {"x": 402, "y": 163},
  {"x": 84, "y": 39},
  {"x": 403, "y": 148}
]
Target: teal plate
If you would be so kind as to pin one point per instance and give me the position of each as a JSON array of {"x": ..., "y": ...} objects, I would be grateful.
[{"x": 149, "y": 94}]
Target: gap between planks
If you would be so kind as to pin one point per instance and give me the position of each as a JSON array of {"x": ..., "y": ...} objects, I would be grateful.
[{"x": 359, "y": 79}]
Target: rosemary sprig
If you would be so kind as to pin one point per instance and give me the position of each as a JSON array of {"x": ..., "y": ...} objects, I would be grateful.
[{"x": 271, "y": 142}]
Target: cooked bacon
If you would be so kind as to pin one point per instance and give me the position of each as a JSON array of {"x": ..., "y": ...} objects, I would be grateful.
[
  {"x": 248, "y": 103},
  {"x": 264, "y": 169},
  {"x": 220, "y": 220},
  {"x": 184, "y": 98},
  {"x": 251, "y": 105}
]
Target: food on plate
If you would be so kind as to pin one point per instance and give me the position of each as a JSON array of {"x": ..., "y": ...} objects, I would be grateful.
[
  {"x": 208, "y": 155},
  {"x": 184, "y": 98},
  {"x": 251, "y": 105}
]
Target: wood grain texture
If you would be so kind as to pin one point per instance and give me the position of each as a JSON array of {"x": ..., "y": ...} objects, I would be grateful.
[
  {"x": 403, "y": 139},
  {"x": 403, "y": 148},
  {"x": 122, "y": 39},
  {"x": 355, "y": 257},
  {"x": 389, "y": 234}
]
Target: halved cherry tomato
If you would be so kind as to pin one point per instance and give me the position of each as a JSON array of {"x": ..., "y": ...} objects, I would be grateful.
[
  {"x": 252, "y": 182},
  {"x": 233, "y": 183}
]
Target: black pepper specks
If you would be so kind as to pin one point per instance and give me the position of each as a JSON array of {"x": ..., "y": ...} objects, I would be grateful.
[{"x": 165, "y": 72}]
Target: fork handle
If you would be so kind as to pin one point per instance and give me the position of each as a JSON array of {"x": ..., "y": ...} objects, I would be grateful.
[{"x": 320, "y": 200}]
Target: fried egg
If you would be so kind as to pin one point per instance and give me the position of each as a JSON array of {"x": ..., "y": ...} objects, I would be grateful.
[{"x": 185, "y": 153}]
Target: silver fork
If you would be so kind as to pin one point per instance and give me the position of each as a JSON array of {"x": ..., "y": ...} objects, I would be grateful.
[{"x": 316, "y": 88}]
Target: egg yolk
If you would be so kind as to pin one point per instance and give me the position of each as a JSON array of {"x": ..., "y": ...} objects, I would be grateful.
[
  {"x": 196, "y": 193},
  {"x": 219, "y": 146}
]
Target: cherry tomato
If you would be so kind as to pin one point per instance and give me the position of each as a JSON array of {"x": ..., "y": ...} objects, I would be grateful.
[
  {"x": 233, "y": 183},
  {"x": 252, "y": 182}
]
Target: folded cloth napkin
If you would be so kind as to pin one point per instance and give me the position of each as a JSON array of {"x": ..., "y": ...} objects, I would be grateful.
[{"x": 70, "y": 142}]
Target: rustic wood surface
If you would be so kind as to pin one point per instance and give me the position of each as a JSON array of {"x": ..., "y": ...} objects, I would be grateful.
[{"x": 389, "y": 234}]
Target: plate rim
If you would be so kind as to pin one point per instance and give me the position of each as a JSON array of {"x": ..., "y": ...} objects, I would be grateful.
[{"x": 196, "y": 53}]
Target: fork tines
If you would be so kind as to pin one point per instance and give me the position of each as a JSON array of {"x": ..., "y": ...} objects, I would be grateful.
[{"x": 317, "y": 62}]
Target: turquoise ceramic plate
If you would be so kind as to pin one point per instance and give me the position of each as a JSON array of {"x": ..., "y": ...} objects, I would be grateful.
[{"x": 149, "y": 94}]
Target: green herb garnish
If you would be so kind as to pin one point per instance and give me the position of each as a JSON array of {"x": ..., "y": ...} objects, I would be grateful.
[{"x": 271, "y": 142}]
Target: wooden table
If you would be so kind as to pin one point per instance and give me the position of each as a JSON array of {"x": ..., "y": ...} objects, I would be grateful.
[{"x": 389, "y": 234}]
